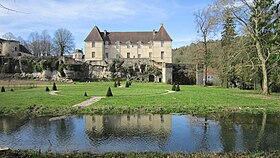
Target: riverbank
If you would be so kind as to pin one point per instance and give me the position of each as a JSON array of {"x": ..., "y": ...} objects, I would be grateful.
[
  {"x": 138, "y": 98},
  {"x": 32, "y": 153}
]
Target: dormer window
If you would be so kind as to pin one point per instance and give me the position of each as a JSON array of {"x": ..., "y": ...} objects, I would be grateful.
[
  {"x": 161, "y": 43},
  {"x": 139, "y": 44},
  {"x": 117, "y": 44},
  {"x": 150, "y": 44},
  {"x": 128, "y": 44}
]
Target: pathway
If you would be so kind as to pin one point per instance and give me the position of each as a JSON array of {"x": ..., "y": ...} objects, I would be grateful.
[{"x": 88, "y": 102}]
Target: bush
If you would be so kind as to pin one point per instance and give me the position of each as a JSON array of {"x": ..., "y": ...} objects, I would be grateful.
[
  {"x": 115, "y": 84},
  {"x": 173, "y": 87},
  {"x": 47, "y": 89},
  {"x": 109, "y": 93},
  {"x": 2, "y": 89},
  {"x": 12, "y": 90},
  {"x": 129, "y": 82},
  {"x": 178, "y": 87},
  {"x": 126, "y": 84},
  {"x": 85, "y": 94},
  {"x": 54, "y": 87}
]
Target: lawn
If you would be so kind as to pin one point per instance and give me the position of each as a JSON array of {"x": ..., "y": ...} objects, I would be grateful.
[{"x": 140, "y": 97}]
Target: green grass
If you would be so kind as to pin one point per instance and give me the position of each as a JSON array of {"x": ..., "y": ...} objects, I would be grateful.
[{"x": 140, "y": 97}]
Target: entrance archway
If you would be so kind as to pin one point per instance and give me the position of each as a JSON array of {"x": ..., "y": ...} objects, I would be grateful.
[{"x": 151, "y": 78}]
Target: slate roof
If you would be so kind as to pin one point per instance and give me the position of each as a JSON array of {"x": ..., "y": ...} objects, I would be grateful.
[
  {"x": 133, "y": 37},
  {"x": 23, "y": 49}
]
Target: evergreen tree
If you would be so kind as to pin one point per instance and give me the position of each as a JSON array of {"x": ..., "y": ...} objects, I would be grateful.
[
  {"x": 126, "y": 84},
  {"x": 54, "y": 87},
  {"x": 173, "y": 87},
  {"x": 85, "y": 94},
  {"x": 47, "y": 89},
  {"x": 2, "y": 89},
  {"x": 178, "y": 87},
  {"x": 119, "y": 83},
  {"x": 109, "y": 93},
  {"x": 226, "y": 64}
]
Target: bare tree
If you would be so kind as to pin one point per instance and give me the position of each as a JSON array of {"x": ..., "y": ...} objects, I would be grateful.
[
  {"x": 45, "y": 43},
  {"x": 63, "y": 41},
  {"x": 205, "y": 24},
  {"x": 34, "y": 43},
  {"x": 9, "y": 36}
]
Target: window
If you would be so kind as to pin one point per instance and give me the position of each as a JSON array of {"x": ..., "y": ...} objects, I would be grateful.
[
  {"x": 117, "y": 44},
  {"x": 150, "y": 54},
  {"x": 92, "y": 44},
  {"x": 139, "y": 44},
  {"x": 162, "y": 54},
  {"x": 161, "y": 43},
  {"x": 93, "y": 54},
  {"x": 0, "y": 51},
  {"x": 128, "y": 55},
  {"x": 107, "y": 55},
  {"x": 139, "y": 55},
  {"x": 128, "y": 44},
  {"x": 15, "y": 48},
  {"x": 150, "y": 44}
]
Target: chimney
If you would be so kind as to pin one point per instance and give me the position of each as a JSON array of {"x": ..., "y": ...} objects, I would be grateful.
[
  {"x": 154, "y": 32},
  {"x": 161, "y": 24}
]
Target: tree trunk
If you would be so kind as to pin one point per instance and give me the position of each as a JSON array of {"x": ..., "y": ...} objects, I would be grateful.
[
  {"x": 265, "y": 89},
  {"x": 205, "y": 59}
]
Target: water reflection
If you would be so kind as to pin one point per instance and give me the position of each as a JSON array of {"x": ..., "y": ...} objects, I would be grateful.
[
  {"x": 162, "y": 133},
  {"x": 134, "y": 132}
]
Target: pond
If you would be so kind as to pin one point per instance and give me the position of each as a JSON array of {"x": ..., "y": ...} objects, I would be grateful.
[{"x": 139, "y": 133}]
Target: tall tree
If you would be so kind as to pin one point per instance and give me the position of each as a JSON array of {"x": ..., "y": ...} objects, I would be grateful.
[
  {"x": 34, "y": 43},
  {"x": 228, "y": 41},
  {"x": 262, "y": 25},
  {"x": 45, "y": 43},
  {"x": 205, "y": 24},
  {"x": 63, "y": 41}
]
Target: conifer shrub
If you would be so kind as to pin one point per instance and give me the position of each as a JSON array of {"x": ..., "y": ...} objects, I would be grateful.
[
  {"x": 2, "y": 89},
  {"x": 126, "y": 84},
  {"x": 119, "y": 83},
  {"x": 54, "y": 87},
  {"x": 115, "y": 84},
  {"x": 12, "y": 90},
  {"x": 178, "y": 87},
  {"x": 173, "y": 87},
  {"x": 85, "y": 94},
  {"x": 109, "y": 93},
  {"x": 129, "y": 83},
  {"x": 47, "y": 89}
]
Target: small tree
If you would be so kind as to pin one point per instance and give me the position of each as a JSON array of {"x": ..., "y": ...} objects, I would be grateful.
[
  {"x": 47, "y": 89},
  {"x": 173, "y": 87},
  {"x": 109, "y": 93},
  {"x": 85, "y": 94},
  {"x": 119, "y": 83},
  {"x": 115, "y": 84},
  {"x": 54, "y": 87},
  {"x": 126, "y": 84},
  {"x": 2, "y": 89},
  {"x": 178, "y": 87}
]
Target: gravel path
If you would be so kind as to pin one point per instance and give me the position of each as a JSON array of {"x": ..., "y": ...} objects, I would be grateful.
[{"x": 88, "y": 102}]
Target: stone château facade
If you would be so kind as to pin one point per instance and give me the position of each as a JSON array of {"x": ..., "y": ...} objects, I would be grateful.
[{"x": 152, "y": 46}]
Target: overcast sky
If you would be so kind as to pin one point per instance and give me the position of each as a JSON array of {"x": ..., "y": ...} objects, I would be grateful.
[{"x": 79, "y": 17}]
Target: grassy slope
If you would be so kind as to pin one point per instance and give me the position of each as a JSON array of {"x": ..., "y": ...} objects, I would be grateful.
[{"x": 145, "y": 96}]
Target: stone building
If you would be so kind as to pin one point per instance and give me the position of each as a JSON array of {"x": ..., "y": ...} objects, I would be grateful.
[
  {"x": 13, "y": 48},
  {"x": 154, "y": 47}
]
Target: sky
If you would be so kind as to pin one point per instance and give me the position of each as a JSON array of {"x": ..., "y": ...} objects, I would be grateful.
[{"x": 80, "y": 16}]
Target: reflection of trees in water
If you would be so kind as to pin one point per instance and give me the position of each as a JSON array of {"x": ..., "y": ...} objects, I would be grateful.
[
  {"x": 254, "y": 132},
  {"x": 129, "y": 127},
  {"x": 64, "y": 129},
  {"x": 11, "y": 124}
]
